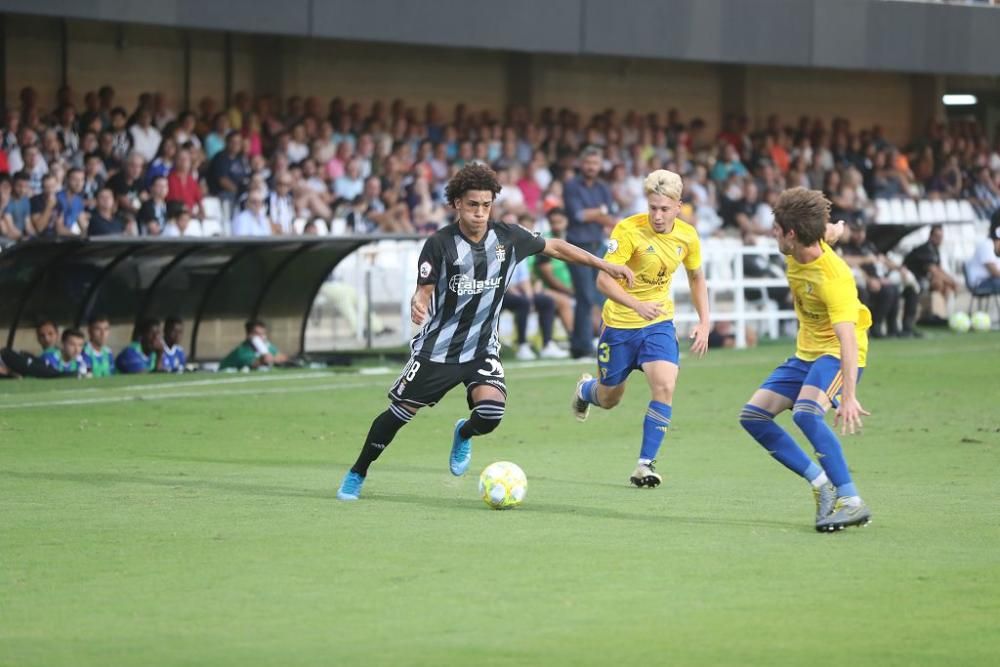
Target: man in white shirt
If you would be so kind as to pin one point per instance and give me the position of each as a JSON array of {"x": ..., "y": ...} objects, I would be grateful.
[
  {"x": 145, "y": 137},
  {"x": 253, "y": 220},
  {"x": 983, "y": 269},
  {"x": 179, "y": 223}
]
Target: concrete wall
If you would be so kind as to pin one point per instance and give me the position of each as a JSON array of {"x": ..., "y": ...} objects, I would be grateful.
[
  {"x": 139, "y": 58},
  {"x": 851, "y": 34}
]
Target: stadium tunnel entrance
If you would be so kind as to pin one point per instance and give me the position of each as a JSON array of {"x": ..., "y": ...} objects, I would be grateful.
[{"x": 214, "y": 285}]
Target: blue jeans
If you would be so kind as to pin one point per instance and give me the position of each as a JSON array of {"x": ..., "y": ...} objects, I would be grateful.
[
  {"x": 587, "y": 296},
  {"x": 986, "y": 286}
]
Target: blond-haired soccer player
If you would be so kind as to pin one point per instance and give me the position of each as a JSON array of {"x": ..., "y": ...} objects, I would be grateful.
[
  {"x": 638, "y": 331},
  {"x": 829, "y": 357}
]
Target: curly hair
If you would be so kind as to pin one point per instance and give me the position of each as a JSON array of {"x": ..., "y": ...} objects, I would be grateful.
[
  {"x": 471, "y": 177},
  {"x": 805, "y": 211}
]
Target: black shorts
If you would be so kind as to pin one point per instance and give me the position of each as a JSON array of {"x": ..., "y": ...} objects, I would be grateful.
[{"x": 424, "y": 383}]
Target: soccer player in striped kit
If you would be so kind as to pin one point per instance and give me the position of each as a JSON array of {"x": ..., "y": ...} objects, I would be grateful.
[{"x": 462, "y": 274}]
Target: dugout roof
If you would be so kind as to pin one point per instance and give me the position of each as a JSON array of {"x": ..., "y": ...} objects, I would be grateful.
[{"x": 215, "y": 285}]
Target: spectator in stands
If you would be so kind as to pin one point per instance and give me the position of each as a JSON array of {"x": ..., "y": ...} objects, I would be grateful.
[
  {"x": 47, "y": 214},
  {"x": 15, "y": 222},
  {"x": 97, "y": 355},
  {"x": 179, "y": 222},
  {"x": 879, "y": 284},
  {"x": 145, "y": 353},
  {"x": 73, "y": 204},
  {"x": 983, "y": 268},
  {"x": 105, "y": 219},
  {"x": 174, "y": 358},
  {"x": 121, "y": 139},
  {"x": 729, "y": 164},
  {"x": 145, "y": 137},
  {"x": 229, "y": 171},
  {"x": 152, "y": 216},
  {"x": 106, "y": 145},
  {"x": 215, "y": 141},
  {"x": 253, "y": 220},
  {"x": 589, "y": 204},
  {"x": 8, "y": 230},
  {"x": 554, "y": 274},
  {"x": 280, "y": 204},
  {"x": 520, "y": 298},
  {"x": 35, "y": 167},
  {"x": 254, "y": 352},
  {"x": 93, "y": 178},
  {"x": 163, "y": 162},
  {"x": 924, "y": 262},
  {"x": 986, "y": 192},
  {"x": 350, "y": 184},
  {"x": 129, "y": 188},
  {"x": 183, "y": 185}
]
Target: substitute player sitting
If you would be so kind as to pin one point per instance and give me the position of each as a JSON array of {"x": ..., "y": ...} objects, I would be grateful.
[
  {"x": 829, "y": 357},
  {"x": 638, "y": 331}
]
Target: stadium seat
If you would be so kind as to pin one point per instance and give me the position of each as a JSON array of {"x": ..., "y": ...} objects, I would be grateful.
[
  {"x": 896, "y": 214},
  {"x": 211, "y": 227},
  {"x": 953, "y": 213},
  {"x": 211, "y": 208},
  {"x": 338, "y": 227},
  {"x": 979, "y": 298},
  {"x": 195, "y": 228},
  {"x": 939, "y": 211},
  {"x": 968, "y": 214},
  {"x": 883, "y": 211},
  {"x": 925, "y": 211},
  {"x": 298, "y": 224},
  {"x": 911, "y": 216}
]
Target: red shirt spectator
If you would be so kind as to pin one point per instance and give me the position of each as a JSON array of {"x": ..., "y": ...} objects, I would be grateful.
[{"x": 183, "y": 186}]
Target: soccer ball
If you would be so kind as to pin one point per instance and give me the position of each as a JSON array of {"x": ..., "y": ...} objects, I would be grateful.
[
  {"x": 981, "y": 321},
  {"x": 503, "y": 485},
  {"x": 959, "y": 322}
]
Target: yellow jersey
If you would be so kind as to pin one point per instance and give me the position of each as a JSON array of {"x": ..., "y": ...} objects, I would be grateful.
[
  {"x": 825, "y": 294},
  {"x": 653, "y": 258}
]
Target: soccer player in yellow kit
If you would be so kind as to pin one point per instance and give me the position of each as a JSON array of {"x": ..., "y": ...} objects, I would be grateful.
[
  {"x": 638, "y": 331},
  {"x": 829, "y": 358}
]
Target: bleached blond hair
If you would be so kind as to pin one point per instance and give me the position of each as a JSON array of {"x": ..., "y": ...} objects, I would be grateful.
[{"x": 665, "y": 183}]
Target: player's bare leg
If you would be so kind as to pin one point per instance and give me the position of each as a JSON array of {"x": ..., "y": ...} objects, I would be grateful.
[{"x": 591, "y": 392}]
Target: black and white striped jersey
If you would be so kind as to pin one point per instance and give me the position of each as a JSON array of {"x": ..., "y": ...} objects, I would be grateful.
[{"x": 469, "y": 280}]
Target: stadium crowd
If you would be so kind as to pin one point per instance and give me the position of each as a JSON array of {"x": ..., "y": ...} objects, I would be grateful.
[{"x": 264, "y": 166}]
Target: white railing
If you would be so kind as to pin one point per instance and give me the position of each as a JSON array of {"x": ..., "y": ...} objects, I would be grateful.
[
  {"x": 723, "y": 262},
  {"x": 379, "y": 279}
]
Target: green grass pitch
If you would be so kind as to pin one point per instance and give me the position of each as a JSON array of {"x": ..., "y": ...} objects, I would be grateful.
[{"x": 191, "y": 521}]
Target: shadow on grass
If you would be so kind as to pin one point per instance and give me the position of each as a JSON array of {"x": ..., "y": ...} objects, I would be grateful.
[
  {"x": 543, "y": 507},
  {"x": 433, "y": 502}
]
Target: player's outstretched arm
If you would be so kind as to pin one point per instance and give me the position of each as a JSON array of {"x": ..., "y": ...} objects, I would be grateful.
[
  {"x": 699, "y": 297},
  {"x": 420, "y": 304},
  {"x": 833, "y": 232},
  {"x": 560, "y": 249},
  {"x": 850, "y": 411}
]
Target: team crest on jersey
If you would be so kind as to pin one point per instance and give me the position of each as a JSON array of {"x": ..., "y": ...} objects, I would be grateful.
[{"x": 501, "y": 252}]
